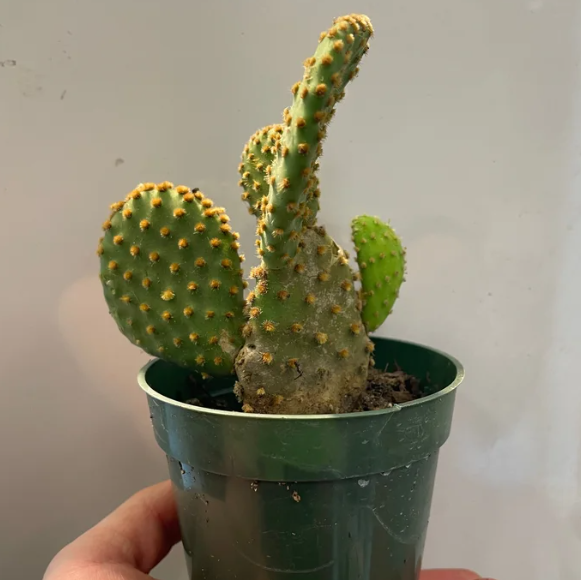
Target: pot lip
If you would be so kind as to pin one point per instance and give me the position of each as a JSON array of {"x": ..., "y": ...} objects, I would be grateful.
[{"x": 460, "y": 373}]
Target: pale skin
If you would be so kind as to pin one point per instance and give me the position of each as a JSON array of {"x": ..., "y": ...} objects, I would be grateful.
[{"x": 135, "y": 537}]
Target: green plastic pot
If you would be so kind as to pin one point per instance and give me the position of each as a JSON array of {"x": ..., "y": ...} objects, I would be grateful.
[{"x": 324, "y": 497}]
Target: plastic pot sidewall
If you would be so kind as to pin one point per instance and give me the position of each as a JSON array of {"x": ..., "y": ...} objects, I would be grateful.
[{"x": 328, "y": 497}]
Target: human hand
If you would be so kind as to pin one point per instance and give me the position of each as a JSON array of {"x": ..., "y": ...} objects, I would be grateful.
[{"x": 134, "y": 538}]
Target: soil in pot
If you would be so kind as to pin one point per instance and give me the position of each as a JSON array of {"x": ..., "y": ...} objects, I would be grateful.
[{"x": 384, "y": 389}]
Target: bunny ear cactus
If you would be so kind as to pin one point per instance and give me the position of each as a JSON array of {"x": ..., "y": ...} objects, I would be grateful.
[{"x": 299, "y": 343}]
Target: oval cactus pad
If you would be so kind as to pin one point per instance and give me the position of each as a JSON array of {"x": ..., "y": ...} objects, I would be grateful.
[
  {"x": 381, "y": 260},
  {"x": 171, "y": 275}
]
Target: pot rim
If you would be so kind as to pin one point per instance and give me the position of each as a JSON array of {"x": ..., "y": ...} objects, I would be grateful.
[{"x": 460, "y": 374}]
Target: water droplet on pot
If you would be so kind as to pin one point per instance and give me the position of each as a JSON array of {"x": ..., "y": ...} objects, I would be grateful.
[{"x": 363, "y": 482}]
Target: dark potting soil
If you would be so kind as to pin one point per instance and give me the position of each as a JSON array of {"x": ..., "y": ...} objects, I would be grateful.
[{"x": 384, "y": 389}]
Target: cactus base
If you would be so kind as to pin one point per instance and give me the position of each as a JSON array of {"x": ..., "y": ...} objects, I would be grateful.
[{"x": 326, "y": 496}]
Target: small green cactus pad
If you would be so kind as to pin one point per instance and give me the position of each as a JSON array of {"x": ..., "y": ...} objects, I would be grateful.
[
  {"x": 256, "y": 160},
  {"x": 381, "y": 260},
  {"x": 171, "y": 275}
]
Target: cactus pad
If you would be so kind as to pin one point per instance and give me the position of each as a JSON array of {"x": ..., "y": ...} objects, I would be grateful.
[
  {"x": 291, "y": 203},
  {"x": 306, "y": 349},
  {"x": 381, "y": 260},
  {"x": 257, "y": 156},
  {"x": 171, "y": 275}
]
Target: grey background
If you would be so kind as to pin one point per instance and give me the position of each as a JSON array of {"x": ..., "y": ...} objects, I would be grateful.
[{"x": 463, "y": 128}]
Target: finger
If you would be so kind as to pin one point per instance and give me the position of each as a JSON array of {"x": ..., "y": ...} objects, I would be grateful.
[
  {"x": 138, "y": 534},
  {"x": 72, "y": 571},
  {"x": 449, "y": 575}
]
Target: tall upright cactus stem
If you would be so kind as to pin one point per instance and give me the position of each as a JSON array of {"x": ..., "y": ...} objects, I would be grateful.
[
  {"x": 306, "y": 349},
  {"x": 290, "y": 175}
]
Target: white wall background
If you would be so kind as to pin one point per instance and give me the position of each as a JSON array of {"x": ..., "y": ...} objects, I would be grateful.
[{"x": 464, "y": 128}]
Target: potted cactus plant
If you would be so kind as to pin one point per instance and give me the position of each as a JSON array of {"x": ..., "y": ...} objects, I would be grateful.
[{"x": 297, "y": 443}]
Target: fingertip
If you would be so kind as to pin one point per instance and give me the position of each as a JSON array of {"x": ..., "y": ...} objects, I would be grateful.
[{"x": 158, "y": 495}]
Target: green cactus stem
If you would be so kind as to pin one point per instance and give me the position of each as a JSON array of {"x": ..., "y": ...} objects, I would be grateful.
[
  {"x": 171, "y": 275},
  {"x": 381, "y": 260},
  {"x": 290, "y": 175},
  {"x": 306, "y": 348}
]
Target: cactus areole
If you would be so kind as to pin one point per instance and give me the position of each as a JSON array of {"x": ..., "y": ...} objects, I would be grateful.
[{"x": 298, "y": 341}]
